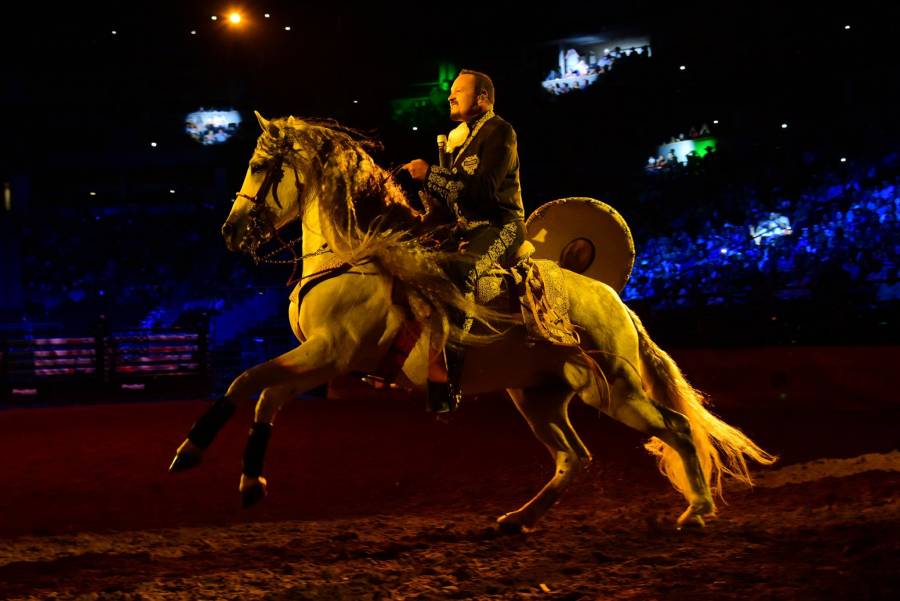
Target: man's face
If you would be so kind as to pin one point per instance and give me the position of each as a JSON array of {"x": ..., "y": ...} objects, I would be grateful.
[{"x": 463, "y": 99}]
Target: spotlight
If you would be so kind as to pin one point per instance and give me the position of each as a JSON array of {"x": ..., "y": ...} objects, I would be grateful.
[
  {"x": 214, "y": 18},
  {"x": 92, "y": 193},
  {"x": 267, "y": 15},
  {"x": 846, "y": 27},
  {"x": 415, "y": 128},
  {"x": 287, "y": 27},
  {"x": 171, "y": 191},
  {"x": 114, "y": 32},
  {"x": 153, "y": 144},
  {"x": 784, "y": 126},
  {"x": 843, "y": 159},
  {"x": 193, "y": 32},
  {"x": 235, "y": 18},
  {"x": 682, "y": 67},
  {"x": 716, "y": 122}
]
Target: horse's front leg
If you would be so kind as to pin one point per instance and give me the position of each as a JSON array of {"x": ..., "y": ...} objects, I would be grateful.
[
  {"x": 253, "y": 485},
  {"x": 310, "y": 362}
]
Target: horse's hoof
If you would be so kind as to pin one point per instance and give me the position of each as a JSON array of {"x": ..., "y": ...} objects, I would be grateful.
[
  {"x": 694, "y": 521},
  {"x": 510, "y": 523},
  {"x": 253, "y": 493},
  {"x": 184, "y": 461},
  {"x": 693, "y": 515}
]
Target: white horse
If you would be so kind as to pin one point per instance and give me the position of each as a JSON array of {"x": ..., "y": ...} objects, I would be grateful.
[{"x": 352, "y": 213}]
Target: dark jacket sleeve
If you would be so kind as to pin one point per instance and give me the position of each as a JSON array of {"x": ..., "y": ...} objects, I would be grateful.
[{"x": 476, "y": 193}]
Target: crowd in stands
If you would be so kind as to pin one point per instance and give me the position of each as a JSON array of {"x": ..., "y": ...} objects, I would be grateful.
[
  {"x": 129, "y": 261},
  {"x": 838, "y": 236},
  {"x": 208, "y": 133},
  {"x": 669, "y": 160},
  {"x": 578, "y": 72}
]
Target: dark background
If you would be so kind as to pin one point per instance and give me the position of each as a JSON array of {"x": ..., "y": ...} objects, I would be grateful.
[{"x": 75, "y": 95}]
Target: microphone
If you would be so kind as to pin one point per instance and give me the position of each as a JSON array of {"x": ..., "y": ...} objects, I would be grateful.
[{"x": 443, "y": 155}]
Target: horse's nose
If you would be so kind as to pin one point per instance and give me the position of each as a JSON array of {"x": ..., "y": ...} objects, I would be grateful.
[{"x": 227, "y": 231}]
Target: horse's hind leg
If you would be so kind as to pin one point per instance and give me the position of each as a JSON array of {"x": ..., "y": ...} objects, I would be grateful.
[
  {"x": 631, "y": 406},
  {"x": 546, "y": 410}
]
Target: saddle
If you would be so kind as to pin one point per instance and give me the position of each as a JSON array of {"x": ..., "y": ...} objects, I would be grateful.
[
  {"x": 537, "y": 289},
  {"x": 533, "y": 286}
]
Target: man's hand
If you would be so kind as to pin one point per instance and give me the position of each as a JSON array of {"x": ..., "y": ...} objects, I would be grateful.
[
  {"x": 418, "y": 169},
  {"x": 429, "y": 202}
]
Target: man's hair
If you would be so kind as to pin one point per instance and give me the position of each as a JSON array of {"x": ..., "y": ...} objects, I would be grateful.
[{"x": 482, "y": 83}]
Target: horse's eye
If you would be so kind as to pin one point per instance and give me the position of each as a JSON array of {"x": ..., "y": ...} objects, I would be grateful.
[{"x": 256, "y": 168}]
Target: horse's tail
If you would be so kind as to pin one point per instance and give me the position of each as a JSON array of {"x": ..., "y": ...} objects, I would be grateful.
[{"x": 721, "y": 448}]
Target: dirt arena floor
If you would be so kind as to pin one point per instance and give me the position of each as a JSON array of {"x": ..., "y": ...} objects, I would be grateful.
[{"x": 379, "y": 500}]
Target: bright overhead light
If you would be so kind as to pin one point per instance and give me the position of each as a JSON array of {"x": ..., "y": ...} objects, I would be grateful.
[
  {"x": 235, "y": 17},
  {"x": 214, "y": 18},
  {"x": 153, "y": 144},
  {"x": 267, "y": 15},
  {"x": 287, "y": 27}
]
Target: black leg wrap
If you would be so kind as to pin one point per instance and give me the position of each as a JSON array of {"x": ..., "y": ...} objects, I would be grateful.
[
  {"x": 204, "y": 431},
  {"x": 255, "y": 451}
]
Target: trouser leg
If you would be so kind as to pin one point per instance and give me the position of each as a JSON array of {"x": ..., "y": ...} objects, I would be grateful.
[{"x": 487, "y": 246}]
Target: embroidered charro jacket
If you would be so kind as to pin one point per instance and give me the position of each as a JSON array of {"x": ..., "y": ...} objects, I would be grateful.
[{"x": 482, "y": 182}]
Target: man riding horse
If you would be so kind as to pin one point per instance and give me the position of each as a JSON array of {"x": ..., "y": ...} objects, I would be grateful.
[
  {"x": 320, "y": 174},
  {"x": 480, "y": 187}
]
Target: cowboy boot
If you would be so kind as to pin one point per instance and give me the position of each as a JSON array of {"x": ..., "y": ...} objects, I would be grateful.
[{"x": 444, "y": 397}]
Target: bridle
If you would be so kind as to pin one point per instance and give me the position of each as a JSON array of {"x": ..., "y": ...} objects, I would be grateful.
[{"x": 261, "y": 222}]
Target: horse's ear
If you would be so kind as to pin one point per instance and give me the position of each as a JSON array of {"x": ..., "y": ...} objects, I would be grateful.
[
  {"x": 267, "y": 126},
  {"x": 263, "y": 124}
]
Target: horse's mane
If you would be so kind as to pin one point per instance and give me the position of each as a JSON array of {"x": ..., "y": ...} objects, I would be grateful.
[
  {"x": 357, "y": 196},
  {"x": 364, "y": 214}
]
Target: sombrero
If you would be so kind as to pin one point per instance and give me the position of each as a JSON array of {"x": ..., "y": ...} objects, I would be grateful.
[{"x": 583, "y": 235}]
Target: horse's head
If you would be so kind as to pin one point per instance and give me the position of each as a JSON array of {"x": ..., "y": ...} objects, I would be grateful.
[
  {"x": 272, "y": 192},
  {"x": 317, "y": 169}
]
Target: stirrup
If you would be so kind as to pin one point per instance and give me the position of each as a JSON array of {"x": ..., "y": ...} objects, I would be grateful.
[{"x": 443, "y": 397}]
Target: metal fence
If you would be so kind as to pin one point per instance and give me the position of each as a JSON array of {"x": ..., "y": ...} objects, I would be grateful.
[{"x": 63, "y": 367}]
